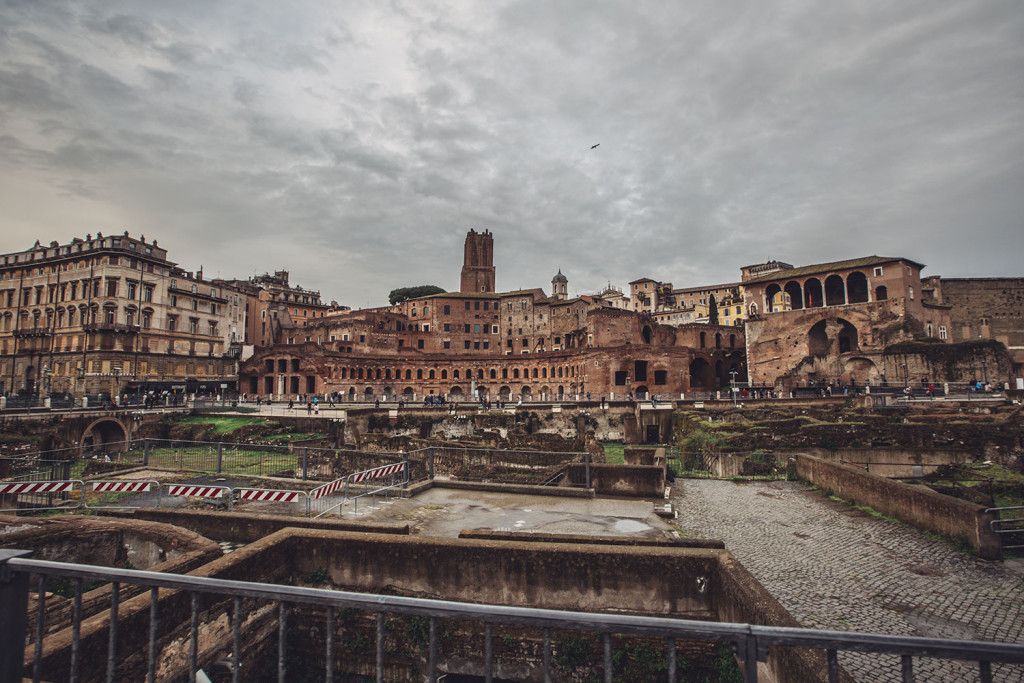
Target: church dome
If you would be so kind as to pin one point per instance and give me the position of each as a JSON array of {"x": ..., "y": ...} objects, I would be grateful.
[{"x": 559, "y": 277}]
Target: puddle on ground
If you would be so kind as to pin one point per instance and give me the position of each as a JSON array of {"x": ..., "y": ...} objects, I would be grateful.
[{"x": 630, "y": 526}]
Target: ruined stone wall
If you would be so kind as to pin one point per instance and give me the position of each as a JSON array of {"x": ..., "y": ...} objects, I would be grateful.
[
  {"x": 916, "y": 505},
  {"x": 988, "y": 308}
]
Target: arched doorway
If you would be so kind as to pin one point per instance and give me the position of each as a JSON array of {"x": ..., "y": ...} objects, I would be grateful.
[
  {"x": 701, "y": 376},
  {"x": 817, "y": 340},
  {"x": 105, "y": 434},
  {"x": 504, "y": 392},
  {"x": 408, "y": 393},
  {"x": 881, "y": 293},
  {"x": 545, "y": 393},
  {"x": 835, "y": 291},
  {"x": 860, "y": 370},
  {"x": 795, "y": 294},
  {"x": 813, "y": 297},
  {"x": 646, "y": 333},
  {"x": 772, "y": 298},
  {"x": 525, "y": 393},
  {"x": 456, "y": 393},
  {"x": 856, "y": 288},
  {"x": 368, "y": 394},
  {"x": 641, "y": 392}
]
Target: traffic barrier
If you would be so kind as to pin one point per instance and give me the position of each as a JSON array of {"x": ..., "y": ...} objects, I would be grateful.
[
  {"x": 270, "y": 495},
  {"x": 192, "y": 491},
  {"x": 54, "y": 494},
  {"x": 37, "y": 487},
  {"x": 377, "y": 472},
  {"x": 327, "y": 489},
  {"x": 122, "y": 486}
]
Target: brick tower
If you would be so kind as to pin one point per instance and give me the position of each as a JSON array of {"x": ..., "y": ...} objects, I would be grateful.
[{"x": 478, "y": 263}]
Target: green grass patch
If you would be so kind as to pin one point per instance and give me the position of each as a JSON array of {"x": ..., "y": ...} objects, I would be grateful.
[
  {"x": 223, "y": 425},
  {"x": 296, "y": 437},
  {"x": 233, "y": 460},
  {"x": 614, "y": 452}
]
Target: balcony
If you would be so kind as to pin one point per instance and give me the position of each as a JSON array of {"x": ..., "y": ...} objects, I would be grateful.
[
  {"x": 34, "y": 332},
  {"x": 119, "y": 328}
]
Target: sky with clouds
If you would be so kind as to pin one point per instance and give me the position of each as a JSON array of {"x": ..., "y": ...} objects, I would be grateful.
[{"x": 355, "y": 142}]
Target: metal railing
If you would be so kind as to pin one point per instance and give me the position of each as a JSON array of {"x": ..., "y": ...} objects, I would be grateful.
[
  {"x": 1010, "y": 531},
  {"x": 750, "y": 643}
]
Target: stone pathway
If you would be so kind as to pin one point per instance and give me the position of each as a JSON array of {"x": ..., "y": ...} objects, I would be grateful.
[{"x": 833, "y": 566}]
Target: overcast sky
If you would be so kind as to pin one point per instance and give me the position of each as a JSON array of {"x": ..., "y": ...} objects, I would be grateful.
[{"x": 354, "y": 143}]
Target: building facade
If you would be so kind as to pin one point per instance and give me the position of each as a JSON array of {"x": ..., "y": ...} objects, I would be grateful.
[
  {"x": 110, "y": 315},
  {"x": 522, "y": 344},
  {"x": 832, "y": 322}
]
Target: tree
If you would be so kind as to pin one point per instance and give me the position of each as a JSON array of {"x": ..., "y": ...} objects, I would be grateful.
[
  {"x": 712, "y": 311},
  {"x": 401, "y": 294}
]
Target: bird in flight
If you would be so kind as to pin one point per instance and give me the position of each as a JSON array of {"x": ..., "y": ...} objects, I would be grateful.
[{"x": 595, "y": 146}]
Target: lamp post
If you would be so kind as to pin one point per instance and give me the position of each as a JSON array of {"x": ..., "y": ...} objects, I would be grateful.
[{"x": 732, "y": 374}]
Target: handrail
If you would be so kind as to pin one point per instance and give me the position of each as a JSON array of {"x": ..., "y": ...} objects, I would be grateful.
[{"x": 751, "y": 642}]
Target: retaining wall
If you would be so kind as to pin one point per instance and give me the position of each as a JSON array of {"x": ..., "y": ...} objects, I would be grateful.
[
  {"x": 916, "y": 505},
  {"x": 641, "y": 481}
]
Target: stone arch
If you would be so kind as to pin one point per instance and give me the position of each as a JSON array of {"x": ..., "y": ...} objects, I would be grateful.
[
  {"x": 795, "y": 294},
  {"x": 107, "y": 433},
  {"x": 641, "y": 392},
  {"x": 368, "y": 393},
  {"x": 881, "y": 293},
  {"x": 455, "y": 391},
  {"x": 856, "y": 288},
  {"x": 817, "y": 340},
  {"x": 351, "y": 393},
  {"x": 545, "y": 392},
  {"x": 835, "y": 291},
  {"x": 646, "y": 333},
  {"x": 504, "y": 392},
  {"x": 813, "y": 294},
  {"x": 525, "y": 393},
  {"x": 701, "y": 376},
  {"x": 770, "y": 293},
  {"x": 408, "y": 391},
  {"x": 861, "y": 370}
]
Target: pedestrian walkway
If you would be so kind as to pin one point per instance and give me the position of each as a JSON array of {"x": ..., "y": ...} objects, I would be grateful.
[{"x": 835, "y": 567}]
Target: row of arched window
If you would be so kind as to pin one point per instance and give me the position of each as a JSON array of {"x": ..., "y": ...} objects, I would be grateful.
[
  {"x": 813, "y": 293},
  {"x": 72, "y": 316},
  {"x": 357, "y": 373}
]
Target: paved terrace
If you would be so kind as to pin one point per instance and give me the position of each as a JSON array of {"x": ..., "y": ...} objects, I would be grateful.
[{"x": 832, "y": 566}]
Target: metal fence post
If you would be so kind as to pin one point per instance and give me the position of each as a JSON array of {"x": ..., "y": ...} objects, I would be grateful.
[
  {"x": 586, "y": 460},
  {"x": 305, "y": 463},
  {"x": 430, "y": 464},
  {"x": 220, "y": 456},
  {"x": 405, "y": 461},
  {"x": 145, "y": 451},
  {"x": 14, "y": 607}
]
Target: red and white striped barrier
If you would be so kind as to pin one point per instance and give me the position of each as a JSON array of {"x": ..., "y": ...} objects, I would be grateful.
[
  {"x": 377, "y": 472},
  {"x": 327, "y": 489},
  {"x": 37, "y": 487},
  {"x": 270, "y": 495},
  {"x": 121, "y": 486},
  {"x": 196, "y": 491}
]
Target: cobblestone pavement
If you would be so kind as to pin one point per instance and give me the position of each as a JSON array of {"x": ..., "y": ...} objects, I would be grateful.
[{"x": 833, "y": 566}]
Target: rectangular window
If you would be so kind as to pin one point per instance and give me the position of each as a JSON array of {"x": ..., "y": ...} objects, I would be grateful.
[
  {"x": 193, "y": 326},
  {"x": 476, "y": 305},
  {"x": 467, "y": 305},
  {"x": 131, "y": 290},
  {"x": 465, "y": 344},
  {"x": 487, "y": 345},
  {"x": 447, "y": 310},
  {"x": 660, "y": 377},
  {"x": 195, "y": 305},
  {"x": 487, "y": 305},
  {"x": 419, "y": 343},
  {"x": 426, "y": 328},
  {"x": 620, "y": 378},
  {"x": 942, "y": 331},
  {"x": 213, "y": 329},
  {"x": 172, "y": 323},
  {"x": 476, "y": 329},
  {"x": 466, "y": 328},
  {"x": 476, "y": 345},
  {"x": 147, "y": 293},
  {"x": 447, "y": 344},
  {"x": 111, "y": 287},
  {"x": 447, "y": 327},
  {"x": 878, "y": 272},
  {"x": 494, "y": 329}
]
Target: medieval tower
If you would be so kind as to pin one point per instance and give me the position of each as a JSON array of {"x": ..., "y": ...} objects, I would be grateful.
[{"x": 478, "y": 263}]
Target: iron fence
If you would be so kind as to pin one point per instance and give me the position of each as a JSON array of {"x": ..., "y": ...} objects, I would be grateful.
[{"x": 237, "y": 603}]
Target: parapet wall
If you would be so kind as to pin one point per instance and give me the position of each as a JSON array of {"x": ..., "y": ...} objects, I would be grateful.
[
  {"x": 641, "y": 481},
  {"x": 916, "y": 505}
]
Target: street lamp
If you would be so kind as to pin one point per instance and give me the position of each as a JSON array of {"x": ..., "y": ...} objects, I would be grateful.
[
  {"x": 116, "y": 388},
  {"x": 732, "y": 374}
]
